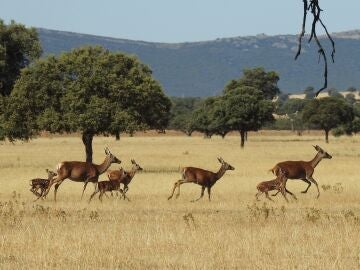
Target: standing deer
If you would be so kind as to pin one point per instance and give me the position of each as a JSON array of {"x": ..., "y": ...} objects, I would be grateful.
[
  {"x": 80, "y": 171},
  {"x": 206, "y": 179},
  {"x": 278, "y": 184},
  {"x": 302, "y": 170},
  {"x": 124, "y": 177},
  {"x": 42, "y": 184}
]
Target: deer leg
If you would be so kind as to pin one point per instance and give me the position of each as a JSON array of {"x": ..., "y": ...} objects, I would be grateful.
[
  {"x": 209, "y": 192},
  {"x": 53, "y": 181},
  {"x": 257, "y": 195},
  {"x": 292, "y": 194},
  {"x": 267, "y": 196},
  {"x": 86, "y": 182},
  {"x": 124, "y": 192},
  {"x": 179, "y": 183},
  {"x": 284, "y": 193},
  {"x": 201, "y": 195},
  {"x": 276, "y": 193},
  {"x": 33, "y": 190},
  {"x": 126, "y": 197},
  {"x": 126, "y": 188},
  {"x": 38, "y": 195},
  {"x": 92, "y": 195},
  {"x": 309, "y": 184},
  {"x": 100, "y": 195},
  {"x": 56, "y": 188},
  {"x": 172, "y": 193},
  {"x": 316, "y": 184}
]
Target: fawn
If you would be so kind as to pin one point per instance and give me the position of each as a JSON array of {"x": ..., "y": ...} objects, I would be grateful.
[
  {"x": 277, "y": 184},
  {"x": 42, "y": 184}
]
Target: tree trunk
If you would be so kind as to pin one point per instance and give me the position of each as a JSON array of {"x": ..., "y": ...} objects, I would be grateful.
[
  {"x": 87, "y": 139},
  {"x": 117, "y": 135},
  {"x": 242, "y": 138},
  {"x": 327, "y": 136}
]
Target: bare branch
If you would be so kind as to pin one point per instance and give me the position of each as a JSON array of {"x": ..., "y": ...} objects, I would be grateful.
[
  {"x": 315, "y": 10},
  {"x": 302, "y": 33}
]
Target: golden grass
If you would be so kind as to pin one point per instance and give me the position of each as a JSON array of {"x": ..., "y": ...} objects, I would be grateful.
[{"x": 231, "y": 231}]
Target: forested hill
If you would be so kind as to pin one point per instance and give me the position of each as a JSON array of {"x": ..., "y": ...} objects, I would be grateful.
[{"x": 203, "y": 68}]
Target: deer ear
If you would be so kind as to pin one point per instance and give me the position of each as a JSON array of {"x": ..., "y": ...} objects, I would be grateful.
[
  {"x": 219, "y": 160},
  {"x": 133, "y": 161},
  {"x": 47, "y": 170}
]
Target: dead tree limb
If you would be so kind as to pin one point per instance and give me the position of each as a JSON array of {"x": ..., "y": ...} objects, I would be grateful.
[{"x": 314, "y": 8}]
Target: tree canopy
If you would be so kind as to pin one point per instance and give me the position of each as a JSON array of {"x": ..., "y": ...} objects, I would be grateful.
[
  {"x": 88, "y": 90},
  {"x": 246, "y": 109},
  {"x": 258, "y": 78},
  {"x": 18, "y": 47},
  {"x": 328, "y": 113}
]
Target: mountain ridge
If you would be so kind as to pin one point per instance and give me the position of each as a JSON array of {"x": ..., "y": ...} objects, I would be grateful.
[{"x": 203, "y": 68}]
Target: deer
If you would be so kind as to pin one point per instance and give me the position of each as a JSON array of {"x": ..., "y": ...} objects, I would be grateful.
[
  {"x": 302, "y": 170},
  {"x": 104, "y": 186},
  {"x": 42, "y": 184},
  {"x": 278, "y": 184},
  {"x": 206, "y": 179},
  {"x": 124, "y": 177},
  {"x": 80, "y": 171}
]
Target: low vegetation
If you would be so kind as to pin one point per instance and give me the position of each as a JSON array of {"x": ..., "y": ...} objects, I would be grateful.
[{"x": 233, "y": 230}]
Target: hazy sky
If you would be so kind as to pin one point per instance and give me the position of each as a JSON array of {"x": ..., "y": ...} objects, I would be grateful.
[{"x": 176, "y": 20}]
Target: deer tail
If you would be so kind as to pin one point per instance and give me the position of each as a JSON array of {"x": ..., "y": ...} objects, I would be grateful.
[{"x": 274, "y": 170}]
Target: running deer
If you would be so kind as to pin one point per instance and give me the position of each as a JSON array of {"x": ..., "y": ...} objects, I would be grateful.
[
  {"x": 204, "y": 178},
  {"x": 42, "y": 184},
  {"x": 125, "y": 177},
  {"x": 110, "y": 185},
  {"x": 80, "y": 171},
  {"x": 278, "y": 184},
  {"x": 302, "y": 170}
]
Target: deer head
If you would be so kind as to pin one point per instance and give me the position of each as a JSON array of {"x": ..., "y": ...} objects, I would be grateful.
[
  {"x": 225, "y": 165},
  {"x": 112, "y": 158},
  {"x": 322, "y": 153},
  {"x": 136, "y": 166},
  {"x": 51, "y": 174}
]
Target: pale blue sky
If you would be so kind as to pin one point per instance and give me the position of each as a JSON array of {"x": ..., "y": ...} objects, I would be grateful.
[{"x": 176, "y": 21}]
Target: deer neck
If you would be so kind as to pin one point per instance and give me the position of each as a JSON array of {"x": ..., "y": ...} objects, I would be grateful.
[
  {"x": 315, "y": 161},
  {"x": 220, "y": 173},
  {"x": 104, "y": 166},
  {"x": 132, "y": 172}
]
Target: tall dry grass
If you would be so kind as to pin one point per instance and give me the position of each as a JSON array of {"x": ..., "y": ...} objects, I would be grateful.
[{"x": 231, "y": 231}]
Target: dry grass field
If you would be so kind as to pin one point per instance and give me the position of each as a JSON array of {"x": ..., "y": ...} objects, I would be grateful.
[{"x": 233, "y": 231}]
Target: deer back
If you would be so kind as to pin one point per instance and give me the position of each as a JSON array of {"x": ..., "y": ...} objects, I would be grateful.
[
  {"x": 77, "y": 170},
  {"x": 116, "y": 175},
  {"x": 39, "y": 182},
  {"x": 108, "y": 185},
  {"x": 268, "y": 185},
  {"x": 199, "y": 176},
  {"x": 293, "y": 169}
]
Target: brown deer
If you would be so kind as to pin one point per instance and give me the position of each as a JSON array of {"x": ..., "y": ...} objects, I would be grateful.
[
  {"x": 278, "y": 184},
  {"x": 104, "y": 186},
  {"x": 80, "y": 171},
  {"x": 124, "y": 177},
  {"x": 302, "y": 170},
  {"x": 42, "y": 184},
  {"x": 206, "y": 179}
]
